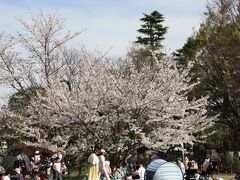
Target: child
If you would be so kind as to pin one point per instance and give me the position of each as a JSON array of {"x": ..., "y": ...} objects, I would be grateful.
[
  {"x": 141, "y": 171},
  {"x": 57, "y": 166}
]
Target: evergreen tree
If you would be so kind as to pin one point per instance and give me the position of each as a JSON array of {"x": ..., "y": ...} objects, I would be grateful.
[
  {"x": 214, "y": 52},
  {"x": 153, "y": 30}
]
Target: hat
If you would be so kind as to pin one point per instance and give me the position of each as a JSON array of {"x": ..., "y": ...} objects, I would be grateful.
[
  {"x": 18, "y": 170},
  {"x": 36, "y": 152},
  {"x": 107, "y": 163},
  {"x": 19, "y": 157},
  {"x": 102, "y": 151}
]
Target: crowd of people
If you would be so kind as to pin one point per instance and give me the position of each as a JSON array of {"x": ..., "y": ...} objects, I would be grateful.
[
  {"x": 100, "y": 168},
  {"x": 38, "y": 168}
]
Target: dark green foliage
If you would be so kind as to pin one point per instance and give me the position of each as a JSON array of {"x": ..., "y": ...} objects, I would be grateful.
[
  {"x": 20, "y": 101},
  {"x": 153, "y": 30},
  {"x": 187, "y": 53},
  {"x": 153, "y": 34},
  {"x": 214, "y": 52}
]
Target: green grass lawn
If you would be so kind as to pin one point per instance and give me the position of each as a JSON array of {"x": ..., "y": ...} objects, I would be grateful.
[
  {"x": 74, "y": 176},
  {"x": 225, "y": 176}
]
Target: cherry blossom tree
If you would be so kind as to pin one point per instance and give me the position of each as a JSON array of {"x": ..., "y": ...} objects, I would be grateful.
[
  {"x": 29, "y": 59},
  {"x": 121, "y": 108},
  {"x": 34, "y": 54},
  {"x": 85, "y": 100}
]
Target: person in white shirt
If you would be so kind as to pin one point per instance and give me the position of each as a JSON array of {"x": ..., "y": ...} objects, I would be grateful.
[
  {"x": 181, "y": 165},
  {"x": 37, "y": 157},
  {"x": 102, "y": 166},
  {"x": 93, "y": 162},
  {"x": 205, "y": 166},
  {"x": 3, "y": 176},
  {"x": 57, "y": 166},
  {"x": 141, "y": 172}
]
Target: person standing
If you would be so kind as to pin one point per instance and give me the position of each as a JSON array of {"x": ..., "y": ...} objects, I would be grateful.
[
  {"x": 186, "y": 161},
  {"x": 102, "y": 166},
  {"x": 37, "y": 157},
  {"x": 57, "y": 166},
  {"x": 141, "y": 172},
  {"x": 205, "y": 166},
  {"x": 93, "y": 163},
  {"x": 108, "y": 168},
  {"x": 50, "y": 170},
  {"x": 181, "y": 165}
]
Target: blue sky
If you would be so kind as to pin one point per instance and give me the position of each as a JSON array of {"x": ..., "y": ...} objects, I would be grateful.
[{"x": 109, "y": 23}]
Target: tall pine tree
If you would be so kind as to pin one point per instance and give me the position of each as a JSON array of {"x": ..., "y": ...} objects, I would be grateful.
[{"x": 153, "y": 30}]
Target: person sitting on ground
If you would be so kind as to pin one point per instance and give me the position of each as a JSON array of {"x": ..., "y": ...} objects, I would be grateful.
[
  {"x": 2, "y": 170},
  {"x": 36, "y": 175},
  {"x": 4, "y": 177},
  {"x": 20, "y": 163},
  {"x": 64, "y": 169},
  {"x": 123, "y": 170},
  {"x": 116, "y": 173},
  {"x": 2, "y": 174},
  {"x": 136, "y": 175},
  {"x": 18, "y": 174},
  {"x": 17, "y": 162},
  {"x": 237, "y": 177}
]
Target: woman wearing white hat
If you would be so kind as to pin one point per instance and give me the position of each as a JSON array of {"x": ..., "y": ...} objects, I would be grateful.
[
  {"x": 102, "y": 166},
  {"x": 93, "y": 165}
]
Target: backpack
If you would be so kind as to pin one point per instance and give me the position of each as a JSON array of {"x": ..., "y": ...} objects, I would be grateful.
[{"x": 64, "y": 168}]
